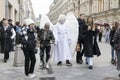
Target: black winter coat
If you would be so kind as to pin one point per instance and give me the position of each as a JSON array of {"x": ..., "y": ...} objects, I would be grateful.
[
  {"x": 90, "y": 44},
  {"x": 112, "y": 33},
  {"x": 82, "y": 28},
  {"x": 6, "y": 41},
  {"x": 30, "y": 43}
]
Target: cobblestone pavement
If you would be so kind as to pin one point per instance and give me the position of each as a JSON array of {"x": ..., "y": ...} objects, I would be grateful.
[{"x": 103, "y": 70}]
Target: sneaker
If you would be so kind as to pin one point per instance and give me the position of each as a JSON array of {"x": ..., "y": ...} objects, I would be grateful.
[
  {"x": 59, "y": 63},
  {"x": 27, "y": 77},
  {"x": 47, "y": 65},
  {"x": 90, "y": 67},
  {"x": 32, "y": 76}
]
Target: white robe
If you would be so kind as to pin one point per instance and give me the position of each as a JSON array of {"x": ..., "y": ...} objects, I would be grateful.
[{"x": 62, "y": 41}]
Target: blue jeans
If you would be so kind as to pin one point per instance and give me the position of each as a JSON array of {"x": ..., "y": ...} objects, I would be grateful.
[{"x": 112, "y": 52}]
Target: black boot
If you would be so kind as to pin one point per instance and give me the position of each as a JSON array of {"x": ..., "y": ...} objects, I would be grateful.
[
  {"x": 112, "y": 61},
  {"x": 119, "y": 75},
  {"x": 68, "y": 63},
  {"x": 90, "y": 67},
  {"x": 79, "y": 61},
  {"x": 5, "y": 60},
  {"x": 59, "y": 63}
]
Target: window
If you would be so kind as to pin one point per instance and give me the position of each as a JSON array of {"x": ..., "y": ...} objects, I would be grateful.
[{"x": 101, "y": 5}]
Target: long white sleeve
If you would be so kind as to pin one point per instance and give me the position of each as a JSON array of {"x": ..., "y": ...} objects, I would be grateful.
[
  {"x": 55, "y": 33},
  {"x": 13, "y": 33}
]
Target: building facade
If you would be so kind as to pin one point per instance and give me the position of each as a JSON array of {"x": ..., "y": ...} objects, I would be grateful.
[
  {"x": 9, "y": 9},
  {"x": 103, "y": 10},
  {"x": 17, "y": 10},
  {"x": 63, "y": 7},
  {"x": 107, "y": 11}
]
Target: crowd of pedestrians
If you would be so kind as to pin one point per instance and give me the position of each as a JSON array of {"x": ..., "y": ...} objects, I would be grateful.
[{"x": 87, "y": 44}]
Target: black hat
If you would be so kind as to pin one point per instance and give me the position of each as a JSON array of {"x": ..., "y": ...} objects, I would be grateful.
[{"x": 10, "y": 20}]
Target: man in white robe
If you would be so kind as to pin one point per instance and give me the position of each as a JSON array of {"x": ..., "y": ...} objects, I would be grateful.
[{"x": 62, "y": 42}]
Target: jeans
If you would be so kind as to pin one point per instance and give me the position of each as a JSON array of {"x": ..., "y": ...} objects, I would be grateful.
[
  {"x": 112, "y": 53},
  {"x": 89, "y": 61}
]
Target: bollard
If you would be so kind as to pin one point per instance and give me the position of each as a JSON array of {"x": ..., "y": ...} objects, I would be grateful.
[
  {"x": 50, "y": 70},
  {"x": 18, "y": 57},
  {"x": 47, "y": 77},
  {"x": 50, "y": 74}
]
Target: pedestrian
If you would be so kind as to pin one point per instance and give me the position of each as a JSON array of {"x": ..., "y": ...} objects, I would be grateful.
[
  {"x": 107, "y": 33},
  {"x": 28, "y": 41},
  {"x": 45, "y": 37},
  {"x": 117, "y": 47},
  {"x": 10, "y": 21},
  {"x": 7, "y": 34},
  {"x": 1, "y": 26},
  {"x": 62, "y": 42},
  {"x": 17, "y": 28},
  {"x": 81, "y": 36},
  {"x": 100, "y": 34},
  {"x": 112, "y": 33},
  {"x": 90, "y": 42},
  {"x": 37, "y": 29}
]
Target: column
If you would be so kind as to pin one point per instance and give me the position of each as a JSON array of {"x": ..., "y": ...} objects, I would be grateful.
[{"x": 18, "y": 57}]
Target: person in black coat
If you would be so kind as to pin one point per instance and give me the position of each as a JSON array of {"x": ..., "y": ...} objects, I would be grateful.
[
  {"x": 80, "y": 53},
  {"x": 100, "y": 34},
  {"x": 28, "y": 41},
  {"x": 1, "y": 27},
  {"x": 90, "y": 42},
  {"x": 112, "y": 33},
  {"x": 10, "y": 21},
  {"x": 7, "y": 34}
]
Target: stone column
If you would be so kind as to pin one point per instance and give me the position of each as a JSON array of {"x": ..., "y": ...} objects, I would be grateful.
[{"x": 18, "y": 57}]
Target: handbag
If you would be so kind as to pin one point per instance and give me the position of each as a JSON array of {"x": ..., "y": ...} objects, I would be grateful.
[{"x": 77, "y": 47}]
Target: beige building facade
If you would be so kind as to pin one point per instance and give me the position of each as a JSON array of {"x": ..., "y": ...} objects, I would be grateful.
[
  {"x": 107, "y": 11},
  {"x": 63, "y": 7},
  {"x": 9, "y": 9},
  {"x": 103, "y": 10},
  {"x": 17, "y": 10}
]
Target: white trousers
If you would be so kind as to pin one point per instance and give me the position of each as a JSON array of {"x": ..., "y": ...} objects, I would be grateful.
[{"x": 89, "y": 61}]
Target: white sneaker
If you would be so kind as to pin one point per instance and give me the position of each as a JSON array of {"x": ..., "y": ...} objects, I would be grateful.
[
  {"x": 32, "y": 75},
  {"x": 27, "y": 77},
  {"x": 47, "y": 65}
]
